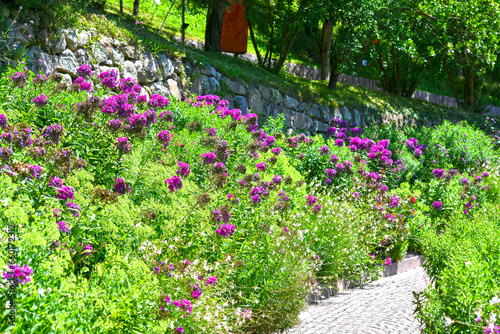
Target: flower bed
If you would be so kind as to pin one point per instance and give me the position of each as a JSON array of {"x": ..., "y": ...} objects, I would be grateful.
[{"x": 137, "y": 213}]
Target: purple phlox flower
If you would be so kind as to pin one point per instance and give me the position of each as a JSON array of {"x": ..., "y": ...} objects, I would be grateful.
[
  {"x": 384, "y": 143},
  {"x": 225, "y": 230},
  {"x": 164, "y": 137},
  {"x": 330, "y": 173},
  {"x": 269, "y": 141},
  {"x": 339, "y": 167},
  {"x": 212, "y": 131},
  {"x": 437, "y": 205},
  {"x": 324, "y": 150},
  {"x": 256, "y": 199},
  {"x": 383, "y": 188},
  {"x": 108, "y": 78},
  {"x": 174, "y": 183},
  {"x": 18, "y": 78},
  {"x": 332, "y": 130},
  {"x": 209, "y": 158},
  {"x": 157, "y": 101},
  {"x": 356, "y": 131},
  {"x": 20, "y": 275},
  {"x": 115, "y": 124},
  {"x": 3, "y": 121},
  {"x": 123, "y": 145},
  {"x": 317, "y": 208},
  {"x": 261, "y": 166},
  {"x": 276, "y": 151},
  {"x": 180, "y": 329},
  {"x": 388, "y": 261},
  {"x": 390, "y": 218},
  {"x": 40, "y": 101},
  {"x": 53, "y": 133},
  {"x": 438, "y": 173},
  {"x": 65, "y": 193},
  {"x": 311, "y": 200},
  {"x": 63, "y": 227},
  {"x": 277, "y": 180},
  {"x": 84, "y": 70},
  {"x": 126, "y": 85},
  {"x": 136, "y": 123},
  {"x": 121, "y": 187},
  {"x": 211, "y": 280},
  {"x": 183, "y": 169},
  {"x": 74, "y": 209},
  {"x": 394, "y": 202},
  {"x": 87, "y": 250},
  {"x": 339, "y": 142},
  {"x": 197, "y": 291}
]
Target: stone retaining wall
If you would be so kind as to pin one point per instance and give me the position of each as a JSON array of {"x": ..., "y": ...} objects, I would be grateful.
[{"x": 64, "y": 51}]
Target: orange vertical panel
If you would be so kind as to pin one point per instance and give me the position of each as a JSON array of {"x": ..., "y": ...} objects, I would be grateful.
[{"x": 234, "y": 36}]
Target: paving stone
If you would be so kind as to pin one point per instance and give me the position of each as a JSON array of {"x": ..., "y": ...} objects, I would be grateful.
[{"x": 384, "y": 306}]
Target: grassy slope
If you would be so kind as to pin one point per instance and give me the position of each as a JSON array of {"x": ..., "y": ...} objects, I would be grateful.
[
  {"x": 304, "y": 51},
  {"x": 125, "y": 28}
]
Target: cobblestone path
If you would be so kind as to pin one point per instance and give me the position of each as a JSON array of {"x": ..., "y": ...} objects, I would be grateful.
[{"x": 381, "y": 307}]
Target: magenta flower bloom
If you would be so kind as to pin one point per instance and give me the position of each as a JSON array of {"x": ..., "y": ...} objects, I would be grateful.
[
  {"x": 311, "y": 200},
  {"x": 324, "y": 150},
  {"x": 438, "y": 173},
  {"x": 18, "y": 78},
  {"x": 74, "y": 209},
  {"x": 157, "y": 101},
  {"x": 388, "y": 261},
  {"x": 211, "y": 280},
  {"x": 108, "y": 78},
  {"x": 390, "y": 218},
  {"x": 209, "y": 158},
  {"x": 84, "y": 70},
  {"x": 276, "y": 151},
  {"x": 394, "y": 202},
  {"x": 63, "y": 227},
  {"x": 115, "y": 124},
  {"x": 18, "y": 274},
  {"x": 180, "y": 329},
  {"x": 183, "y": 170},
  {"x": 123, "y": 145},
  {"x": 164, "y": 137},
  {"x": 40, "y": 101},
  {"x": 65, "y": 193},
  {"x": 437, "y": 205},
  {"x": 87, "y": 250},
  {"x": 121, "y": 186},
  {"x": 330, "y": 173},
  {"x": 174, "y": 183},
  {"x": 261, "y": 166},
  {"x": 3, "y": 121},
  {"x": 225, "y": 230},
  {"x": 317, "y": 208}
]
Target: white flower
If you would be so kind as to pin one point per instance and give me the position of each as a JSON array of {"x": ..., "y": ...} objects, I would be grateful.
[
  {"x": 41, "y": 292},
  {"x": 467, "y": 263},
  {"x": 447, "y": 321},
  {"x": 495, "y": 300}
]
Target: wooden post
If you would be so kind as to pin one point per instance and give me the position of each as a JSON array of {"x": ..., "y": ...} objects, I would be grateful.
[
  {"x": 183, "y": 23},
  {"x": 121, "y": 7}
]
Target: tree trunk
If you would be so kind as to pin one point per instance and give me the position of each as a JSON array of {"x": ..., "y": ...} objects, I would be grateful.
[
  {"x": 334, "y": 75},
  {"x": 213, "y": 29},
  {"x": 121, "y": 7},
  {"x": 254, "y": 42},
  {"x": 136, "y": 7},
  {"x": 326, "y": 43},
  {"x": 450, "y": 79}
]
